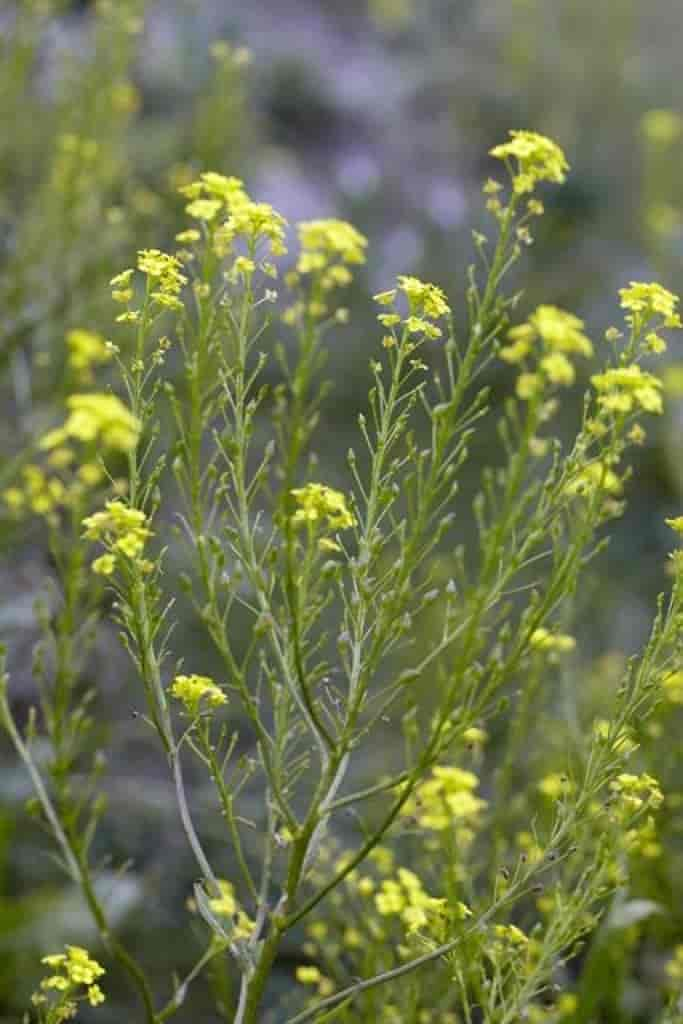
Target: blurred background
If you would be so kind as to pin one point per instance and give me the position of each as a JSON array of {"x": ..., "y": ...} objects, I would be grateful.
[{"x": 381, "y": 112}]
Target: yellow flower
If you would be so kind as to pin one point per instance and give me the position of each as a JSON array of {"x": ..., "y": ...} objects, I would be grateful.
[
  {"x": 447, "y": 800},
  {"x": 194, "y": 690},
  {"x": 595, "y": 476},
  {"x": 543, "y": 640},
  {"x": 475, "y": 736},
  {"x": 95, "y": 995},
  {"x": 86, "y": 348},
  {"x": 624, "y": 388},
  {"x": 74, "y": 968},
  {"x": 14, "y": 498},
  {"x": 327, "y": 544},
  {"x": 90, "y": 474},
  {"x": 555, "y": 786},
  {"x": 319, "y": 502},
  {"x": 132, "y": 543},
  {"x": 511, "y": 934},
  {"x": 560, "y": 331},
  {"x": 122, "y": 529},
  {"x": 558, "y": 334},
  {"x": 528, "y": 386},
  {"x": 98, "y": 418},
  {"x": 385, "y": 298},
  {"x": 204, "y": 209},
  {"x": 417, "y": 325},
  {"x": 517, "y": 351},
  {"x": 672, "y": 687},
  {"x": 424, "y": 299},
  {"x": 558, "y": 369},
  {"x": 104, "y": 565},
  {"x": 675, "y": 524},
  {"x": 635, "y": 792},
  {"x": 308, "y": 975},
  {"x": 649, "y": 300},
  {"x": 331, "y": 240},
  {"x": 188, "y": 237},
  {"x": 538, "y": 159},
  {"x": 162, "y": 269},
  {"x": 662, "y": 127}
]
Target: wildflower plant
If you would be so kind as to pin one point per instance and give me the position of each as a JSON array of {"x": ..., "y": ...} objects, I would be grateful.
[{"x": 449, "y": 898}]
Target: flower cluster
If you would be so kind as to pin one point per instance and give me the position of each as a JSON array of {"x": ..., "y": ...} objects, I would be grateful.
[
  {"x": 550, "y": 335},
  {"x": 676, "y": 524},
  {"x": 555, "y": 786},
  {"x": 426, "y": 303},
  {"x": 124, "y": 532},
  {"x": 672, "y": 687},
  {"x": 329, "y": 249},
  {"x": 165, "y": 281},
  {"x": 39, "y": 493},
  {"x": 226, "y": 905},
  {"x": 196, "y": 691},
  {"x": 407, "y": 899},
  {"x": 538, "y": 159},
  {"x": 322, "y": 505},
  {"x": 553, "y": 643},
  {"x": 642, "y": 840},
  {"x": 662, "y": 127},
  {"x": 86, "y": 349},
  {"x": 596, "y": 476},
  {"x": 96, "y": 419},
  {"x": 624, "y": 389},
  {"x": 74, "y": 971},
  {"x": 634, "y": 792},
  {"x": 164, "y": 276},
  {"x": 646, "y": 301},
  {"x": 224, "y": 204},
  {"x": 309, "y": 974},
  {"x": 448, "y": 800}
]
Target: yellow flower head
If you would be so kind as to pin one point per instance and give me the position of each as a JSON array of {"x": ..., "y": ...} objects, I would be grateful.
[
  {"x": 74, "y": 969},
  {"x": 319, "y": 503},
  {"x": 424, "y": 299},
  {"x": 215, "y": 198},
  {"x": 117, "y": 520},
  {"x": 99, "y": 418},
  {"x": 538, "y": 159},
  {"x": 163, "y": 270},
  {"x": 194, "y": 691},
  {"x": 555, "y": 786},
  {"x": 645, "y": 301},
  {"x": 447, "y": 800},
  {"x": 625, "y": 388},
  {"x": 204, "y": 209},
  {"x": 593, "y": 477},
  {"x": 543, "y": 640},
  {"x": 123, "y": 530},
  {"x": 560, "y": 331},
  {"x": 86, "y": 348},
  {"x": 676, "y": 524},
  {"x": 662, "y": 127},
  {"x": 634, "y": 792},
  {"x": 308, "y": 975},
  {"x": 331, "y": 241}
]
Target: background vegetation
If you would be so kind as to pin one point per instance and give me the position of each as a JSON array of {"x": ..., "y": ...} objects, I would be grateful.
[{"x": 381, "y": 112}]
